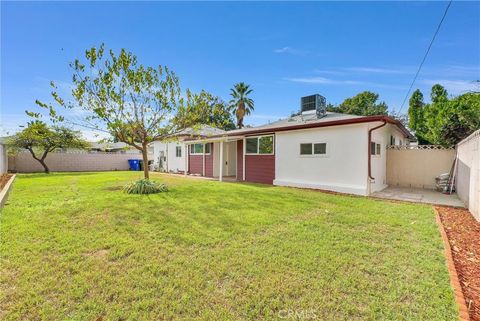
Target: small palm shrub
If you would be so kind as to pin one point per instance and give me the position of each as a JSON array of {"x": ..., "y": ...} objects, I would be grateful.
[{"x": 145, "y": 186}]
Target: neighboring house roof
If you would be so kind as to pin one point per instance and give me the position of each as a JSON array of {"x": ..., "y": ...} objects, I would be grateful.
[
  {"x": 109, "y": 146},
  {"x": 202, "y": 130},
  {"x": 311, "y": 121}
]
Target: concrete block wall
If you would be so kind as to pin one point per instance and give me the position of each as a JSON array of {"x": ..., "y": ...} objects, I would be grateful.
[
  {"x": 468, "y": 173},
  {"x": 417, "y": 167},
  {"x": 23, "y": 162}
]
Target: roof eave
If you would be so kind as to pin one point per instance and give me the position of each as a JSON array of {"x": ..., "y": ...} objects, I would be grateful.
[{"x": 330, "y": 123}]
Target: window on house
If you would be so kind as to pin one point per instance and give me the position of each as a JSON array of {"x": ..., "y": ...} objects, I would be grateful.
[
  {"x": 313, "y": 149},
  {"x": 375, "y": 149},
  {"x": 198, "y": 149},
  {"x": 259, "y": 145},
  {"x": 252, "y": 145},
  {"x": 178, "y": 151},
  {"x": 392, "y": 140},
  {"x": 320, "y": 149},
  {"x": 305, "y": 149},
  {"x": 265, "y": 145}
]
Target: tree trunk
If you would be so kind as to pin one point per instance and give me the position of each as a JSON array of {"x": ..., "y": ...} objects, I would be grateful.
[
  {"x": 41, "y": 160},
  {"x": 45, "y": 167},
  {"x": 240, "y": 113},
  {"x": 146, "y": 174}
]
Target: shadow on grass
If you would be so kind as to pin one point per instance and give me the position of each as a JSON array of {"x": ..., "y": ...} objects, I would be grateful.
[{"x": 59, "y": 174}]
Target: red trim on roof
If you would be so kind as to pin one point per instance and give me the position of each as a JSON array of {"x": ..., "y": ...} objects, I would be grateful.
[{"x": 348, "y": 121}]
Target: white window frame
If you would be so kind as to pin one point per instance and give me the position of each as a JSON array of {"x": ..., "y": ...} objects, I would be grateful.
[
  {"x": 377, "y": 145},
  {"x": 258, "y": 145},
  {"x": 393, "y": 140},
  {"x": 190, "y": 149},
  {"x": 177, "y": 149},
  {"x": 327, "y": 149}
]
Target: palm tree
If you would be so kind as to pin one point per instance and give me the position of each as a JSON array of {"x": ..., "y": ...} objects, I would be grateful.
[{"x": 240, "y": 102}]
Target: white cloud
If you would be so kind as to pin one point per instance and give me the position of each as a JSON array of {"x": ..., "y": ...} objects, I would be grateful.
[
  {"x": 454, "y": 87},
  {"x": 439, "y": 71},
  {"x": 377, "y": 70},
  {"x": 93, "y": 135},
  {"x": 325, "y": 81},
  {"x": 464, "y": 70},
  {"x": 290, "y": 50},
  {"x": 254, "y": 116},
  {"x": 64, "y": 86},
  {"x": 335, "y": 82},
  {"x": 365, "y": 70},
  {"x": 329, "y": 72}
]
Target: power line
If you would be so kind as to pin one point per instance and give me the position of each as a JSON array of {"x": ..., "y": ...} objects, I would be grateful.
[{"x": 426, "y": 54}]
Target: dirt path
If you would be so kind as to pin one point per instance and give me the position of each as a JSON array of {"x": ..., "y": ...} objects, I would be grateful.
[{"x": 463, "y": 233}]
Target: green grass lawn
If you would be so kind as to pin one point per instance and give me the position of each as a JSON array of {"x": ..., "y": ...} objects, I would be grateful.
[{"x": 75, "y": 247}]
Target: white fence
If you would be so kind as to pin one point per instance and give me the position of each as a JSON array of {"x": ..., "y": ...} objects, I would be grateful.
[
  {"x": 417, "y": 166},
  {"x": 420, "y": 147},
  {"x": 468, "y": 173}
]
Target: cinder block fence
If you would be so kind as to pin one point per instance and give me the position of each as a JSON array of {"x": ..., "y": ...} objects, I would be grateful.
[
  {"x": 468, "y": 173},
  {"x": 23, "y": 162},
  {"x": 417, "y": 166}
]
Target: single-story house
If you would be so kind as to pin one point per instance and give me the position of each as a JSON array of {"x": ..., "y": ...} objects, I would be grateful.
[
  {"x": 117, "y": 147},
  {"x": 314, "y": 149},
  {"x": 169, "y": 156}
]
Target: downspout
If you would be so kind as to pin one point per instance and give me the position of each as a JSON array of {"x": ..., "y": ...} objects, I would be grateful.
[{"x": 370, "y": 178}]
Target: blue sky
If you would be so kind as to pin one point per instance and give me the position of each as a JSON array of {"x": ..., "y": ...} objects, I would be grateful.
[{"x": 285, "y": 50}]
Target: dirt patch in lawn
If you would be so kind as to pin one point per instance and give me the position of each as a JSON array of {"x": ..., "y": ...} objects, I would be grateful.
[
  {"x": 113, "y": 188},
  {"x": 100, "y": 254},
  {"x": 463, "y": 233},
  {"x": 4, "y": 178}
]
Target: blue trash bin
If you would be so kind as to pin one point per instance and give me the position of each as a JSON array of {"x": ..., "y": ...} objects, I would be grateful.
[{"x": 134, "y": 164}]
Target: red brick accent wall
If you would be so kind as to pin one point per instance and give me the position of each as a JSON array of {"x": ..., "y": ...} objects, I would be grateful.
[
  {"x": 260, "y": 168},
  {"x": 195, "y": 163},
  {"x": 239, "y": 160},
  {"x": 209, "y": 163}
]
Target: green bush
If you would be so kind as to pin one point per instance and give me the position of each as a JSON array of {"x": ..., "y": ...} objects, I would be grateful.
[{"x": 145, "y": 186}]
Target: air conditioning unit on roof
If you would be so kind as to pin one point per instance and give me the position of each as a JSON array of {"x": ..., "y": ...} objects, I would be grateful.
[{"x": 314, "y": 104}]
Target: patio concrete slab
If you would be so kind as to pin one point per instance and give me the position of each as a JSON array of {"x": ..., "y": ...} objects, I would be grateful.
[{"x": 418, "y": 195}]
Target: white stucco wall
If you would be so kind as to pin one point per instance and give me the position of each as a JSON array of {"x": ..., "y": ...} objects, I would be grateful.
[
  {"x": 343, "y": 169},
  {"x": 468, "y": 173},
  {"x": 172, "y": 163},
  {"x": 379, "y": 162},
  {"x": 3, "y": 159}
]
